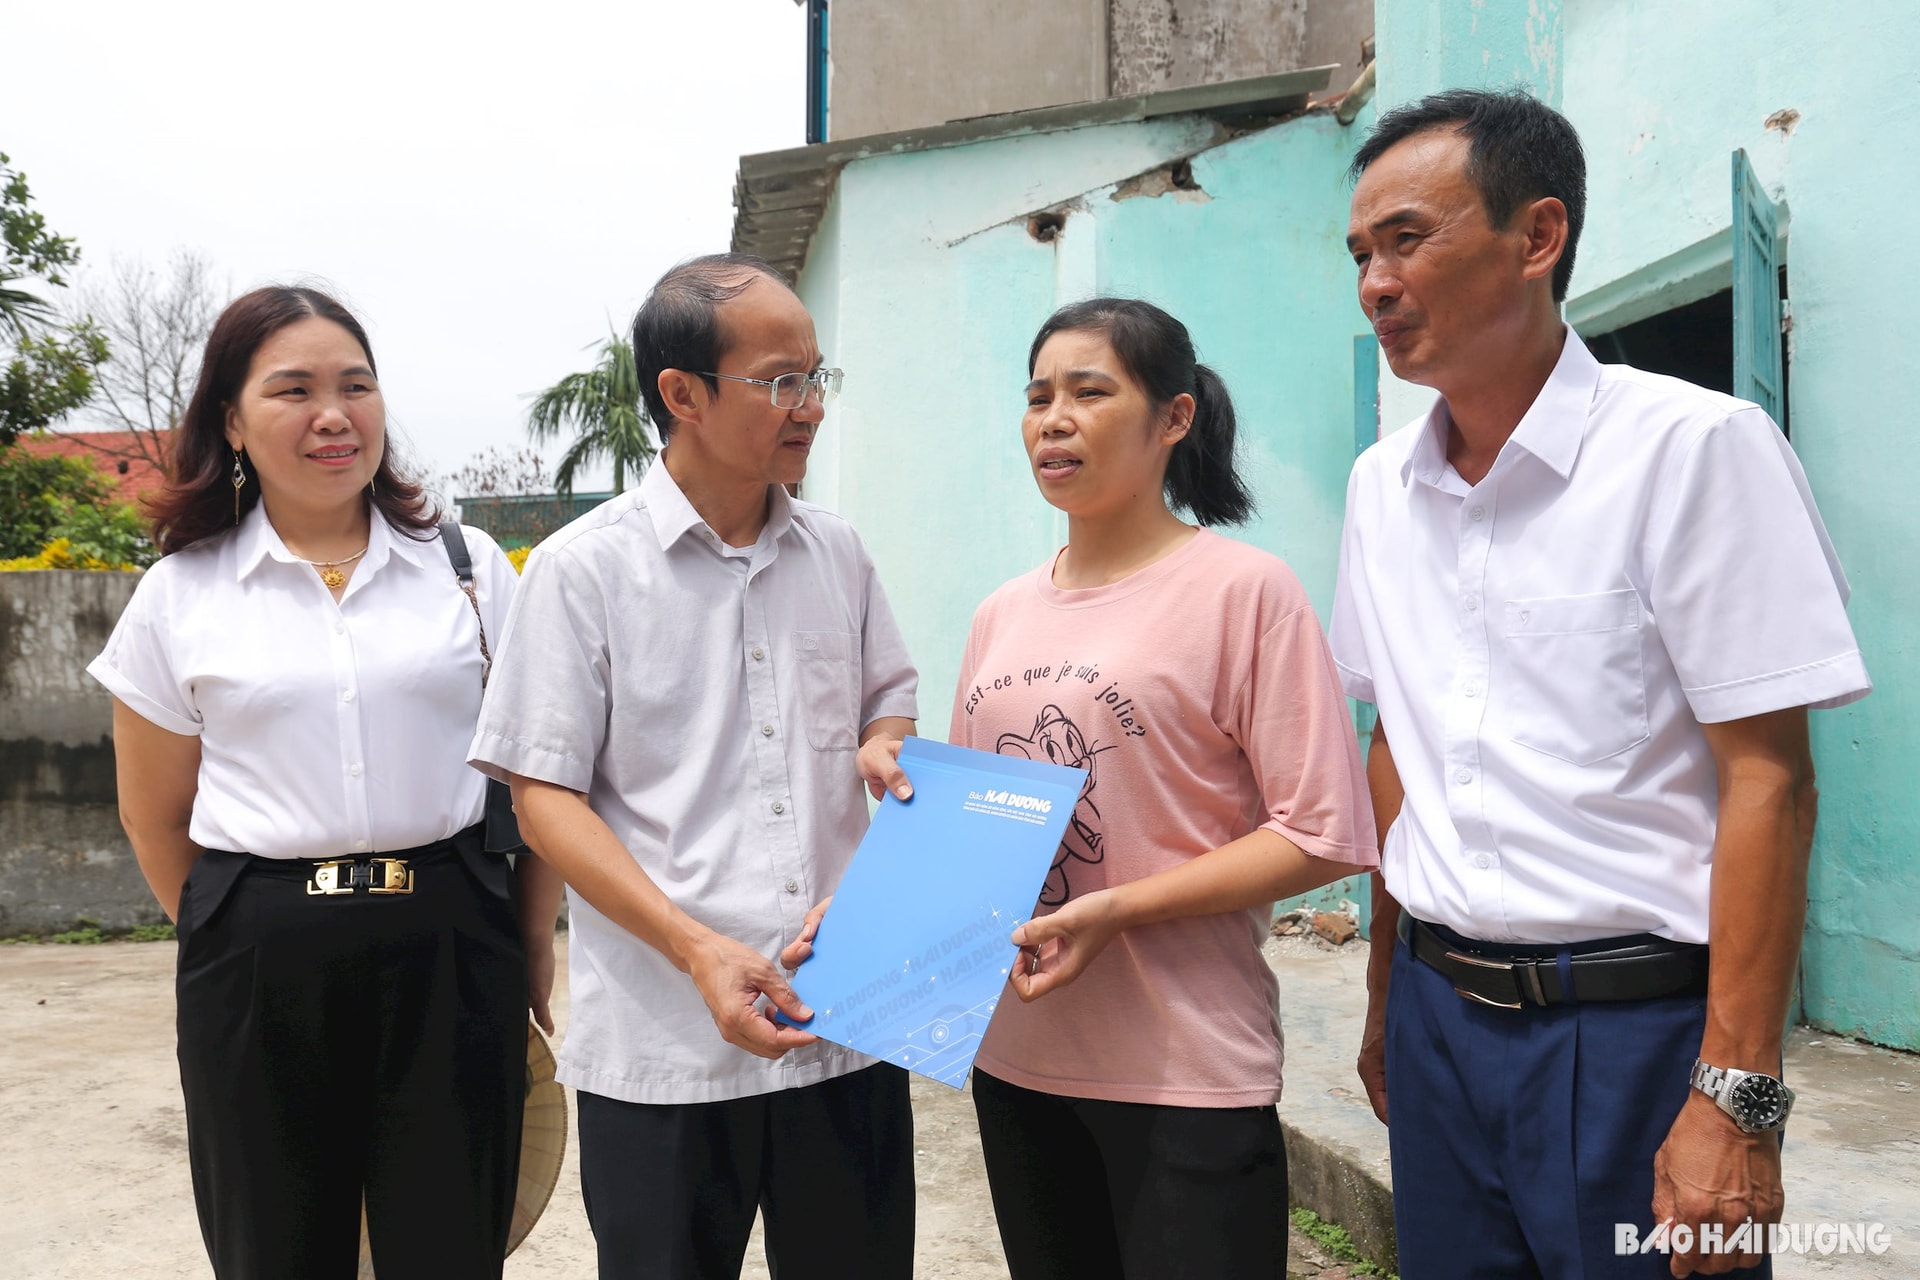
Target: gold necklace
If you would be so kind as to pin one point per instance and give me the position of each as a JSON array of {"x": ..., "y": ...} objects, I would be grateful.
[{"x": 330, "y": 571}]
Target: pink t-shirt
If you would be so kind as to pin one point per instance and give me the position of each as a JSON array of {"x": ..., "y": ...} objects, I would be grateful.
[{"x": 1199, "y": 694}]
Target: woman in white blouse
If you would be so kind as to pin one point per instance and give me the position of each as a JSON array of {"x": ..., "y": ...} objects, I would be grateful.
[{"x": 295, "y": 685}]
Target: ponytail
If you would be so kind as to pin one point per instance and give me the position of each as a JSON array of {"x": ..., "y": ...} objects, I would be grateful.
[
  {"x": 1200, "y": 474},
  {"x": 1157, "y": 351}
]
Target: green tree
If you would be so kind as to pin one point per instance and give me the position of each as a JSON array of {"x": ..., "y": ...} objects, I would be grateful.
[
  {"x": 46, "y": 369},
  {"x": 602, "y": 410},
  {"x": 38, "y": 495},
  {"x": 112, "y": 532}
]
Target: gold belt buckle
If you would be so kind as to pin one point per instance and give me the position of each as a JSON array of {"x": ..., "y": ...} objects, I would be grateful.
[
  {"x": 326, "y": 880},
  {"x": 390, "y": 875},
  {"x": 381, "y": 875}
]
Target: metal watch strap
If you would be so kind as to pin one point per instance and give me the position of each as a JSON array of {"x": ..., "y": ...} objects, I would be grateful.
[
  {"x": 1709, "y": 1079},
  {"x": 1718, "y": 1083}
]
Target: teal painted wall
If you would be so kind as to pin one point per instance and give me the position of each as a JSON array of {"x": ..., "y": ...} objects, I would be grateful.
[
  {"x": 1428, "y": 45},
  {"x": 1662, "y": 95},
  {"x": 927, "y": 287}
]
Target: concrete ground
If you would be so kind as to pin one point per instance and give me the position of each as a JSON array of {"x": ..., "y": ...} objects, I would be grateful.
[
  {"x": 93, "y": 1168},
  {"x": 1852, "y": 1152},
  {"x": 93, "y": 1162}
]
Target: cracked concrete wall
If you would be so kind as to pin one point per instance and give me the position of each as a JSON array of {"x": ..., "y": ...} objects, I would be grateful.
[
  {"x": 1171, "y": 44},
  {"x": 62, "y": 852},
  {"x": 1335, "y": 30},
  {"x": 907, "y": 64}
]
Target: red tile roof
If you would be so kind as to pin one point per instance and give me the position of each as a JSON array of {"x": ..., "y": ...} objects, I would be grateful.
[{"x": 117, "y": 453}]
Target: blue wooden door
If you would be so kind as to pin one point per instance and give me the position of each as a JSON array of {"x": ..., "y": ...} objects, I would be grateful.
[{"x": 1756, "y": 292}]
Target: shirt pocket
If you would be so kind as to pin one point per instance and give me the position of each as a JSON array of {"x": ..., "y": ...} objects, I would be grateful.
[
  {"x": 828, "y": 667},
  {"x": 1577, "y": 689}
]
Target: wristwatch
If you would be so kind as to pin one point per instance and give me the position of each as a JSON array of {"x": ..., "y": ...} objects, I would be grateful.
[{"x": 1758, "y": 1103}]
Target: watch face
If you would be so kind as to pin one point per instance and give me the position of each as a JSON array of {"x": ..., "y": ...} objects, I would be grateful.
[{"x": 1759, "y": 1102}]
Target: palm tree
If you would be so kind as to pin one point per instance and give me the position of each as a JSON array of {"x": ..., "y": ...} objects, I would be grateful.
[{"x": 602, "y": 409}]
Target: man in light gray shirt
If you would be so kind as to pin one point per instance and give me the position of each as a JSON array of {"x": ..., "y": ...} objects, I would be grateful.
[{"x": 694, "y": 681}]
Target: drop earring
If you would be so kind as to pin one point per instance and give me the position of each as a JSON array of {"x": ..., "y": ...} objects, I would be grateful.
[{"x": 239, "y": 483}]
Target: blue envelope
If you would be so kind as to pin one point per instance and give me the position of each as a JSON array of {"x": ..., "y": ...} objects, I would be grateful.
[{"x": 913, "y": 954}]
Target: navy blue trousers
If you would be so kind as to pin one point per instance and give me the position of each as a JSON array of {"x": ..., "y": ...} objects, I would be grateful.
[{"x": 1520, "y": 1137}]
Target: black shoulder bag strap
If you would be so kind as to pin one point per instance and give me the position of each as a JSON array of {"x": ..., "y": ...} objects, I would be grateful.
[{"x": 503, "y": 829}]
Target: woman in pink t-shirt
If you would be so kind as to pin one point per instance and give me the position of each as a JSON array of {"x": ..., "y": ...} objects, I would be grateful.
[{"x": 1126, "y": 1100}]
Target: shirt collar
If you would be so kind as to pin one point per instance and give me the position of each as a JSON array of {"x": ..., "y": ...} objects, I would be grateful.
[
  {"x": 255, "y": 541},
  {"x": 258, "y": 541},
  {"x": 674, "y": 517},
  {"x": 1551, "y": 429}
]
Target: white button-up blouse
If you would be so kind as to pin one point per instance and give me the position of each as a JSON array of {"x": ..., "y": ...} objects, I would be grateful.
[
  {"x": 1643, "y": 558},
  {"x": 326, "y": 728}
]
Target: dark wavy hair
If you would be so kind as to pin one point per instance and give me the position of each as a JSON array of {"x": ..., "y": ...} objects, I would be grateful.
[
  {"x": 1157, "y": 352},
  {"x": 198, "y": 500}
]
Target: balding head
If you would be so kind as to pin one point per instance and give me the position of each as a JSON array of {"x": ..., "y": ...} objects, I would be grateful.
[{"x": 681, "y": 325}]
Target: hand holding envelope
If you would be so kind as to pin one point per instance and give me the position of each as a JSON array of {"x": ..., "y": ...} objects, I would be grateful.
[{"x": 909, "y": 958}]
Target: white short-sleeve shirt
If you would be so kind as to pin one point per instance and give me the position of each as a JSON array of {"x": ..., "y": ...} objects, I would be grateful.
[
  {"x": 708, "y": 701},
  {"x": 327, "y": 728},
  {"x": 1644, "y": 556}
]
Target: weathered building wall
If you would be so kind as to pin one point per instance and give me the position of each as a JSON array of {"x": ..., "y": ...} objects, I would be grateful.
[
  {"x": 1170, "y": 44},
  {"x": 1662, "y": 95},
  {"x": 62, "y": 852},
  {"x": 906, "y": 64}
]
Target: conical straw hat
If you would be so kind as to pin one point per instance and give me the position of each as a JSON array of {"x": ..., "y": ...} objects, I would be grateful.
[
  {"x": 543, "y": 1139},
  {"x": 543, "y": 1144}
]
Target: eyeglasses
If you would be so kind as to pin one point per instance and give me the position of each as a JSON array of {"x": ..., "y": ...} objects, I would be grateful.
[{"x": 790, "y": 390}]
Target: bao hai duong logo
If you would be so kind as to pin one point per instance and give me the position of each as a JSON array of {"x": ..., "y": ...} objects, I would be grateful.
[{"x": 1009, "y": 804}]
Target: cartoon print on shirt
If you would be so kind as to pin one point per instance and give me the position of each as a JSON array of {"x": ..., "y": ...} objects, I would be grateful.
[{"x": 1057, "y": 740}]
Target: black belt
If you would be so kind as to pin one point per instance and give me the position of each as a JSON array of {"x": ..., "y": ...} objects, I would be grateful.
[{"x": 1642, "y": 967}]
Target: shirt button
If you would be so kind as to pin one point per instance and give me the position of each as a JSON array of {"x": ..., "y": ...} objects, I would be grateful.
[
  {"x": 1463, "y": 777},
  {"x": 1472, "y": 691},
  {"x": 779, "y": 807},
  {"x": 1482, "y": 861},
  {"x": 758, "y": 653},
  {"x": 1477, "y": 514},
  {"x": 354, "y": 769},
  {"x": 766, "y": 731},
  {"x": 339, "y": 628},
  {"x": 360, "y": 844},
  {"x": 347, "y": 696},
  {"x": 793, "y": 886},
  {"x": 1470, "y": 604},
  {"x": 1526, "y": 617}
]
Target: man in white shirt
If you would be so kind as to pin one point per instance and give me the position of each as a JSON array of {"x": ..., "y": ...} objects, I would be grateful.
[
  {"x": 688, "y": 674},
  {"x": 1592, "y": 606}
]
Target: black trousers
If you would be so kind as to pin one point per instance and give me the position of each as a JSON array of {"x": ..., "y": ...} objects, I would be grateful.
[
  {"x": 335, "y": 1046},
  {"x": 671, "y": 1190},
  {"x": 1085, "y": 1189}
]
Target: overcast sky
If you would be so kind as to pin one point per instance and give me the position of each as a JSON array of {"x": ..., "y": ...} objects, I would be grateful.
[{"x": 486, "y": 186}]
